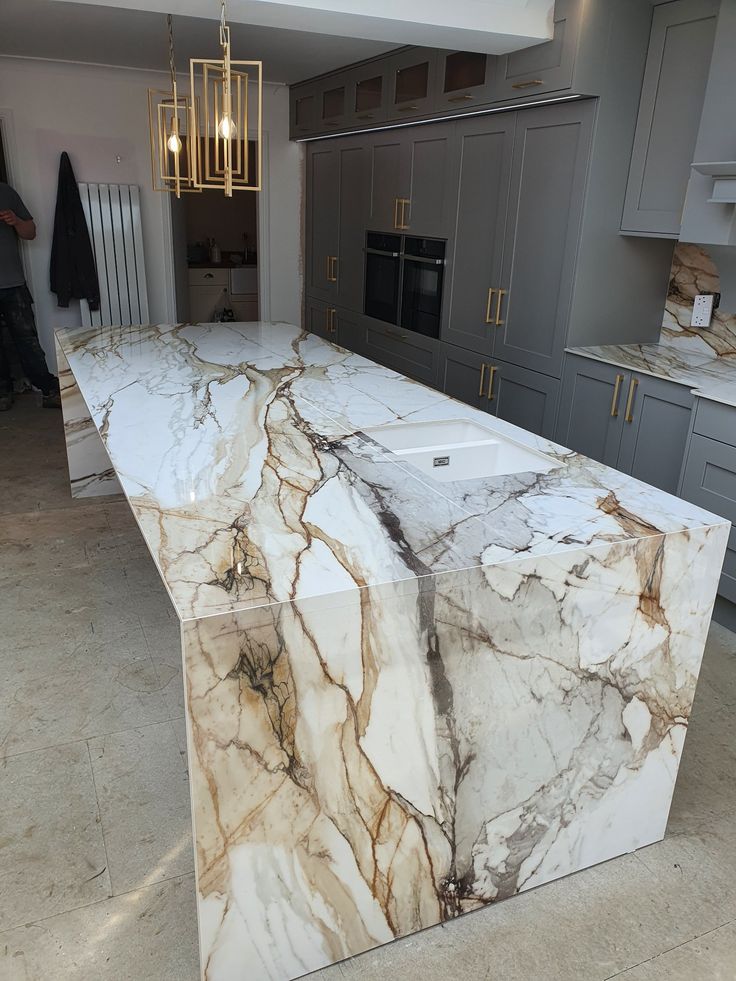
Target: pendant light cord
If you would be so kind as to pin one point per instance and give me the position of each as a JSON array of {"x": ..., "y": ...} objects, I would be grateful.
[{"x": 172, "y": 64}]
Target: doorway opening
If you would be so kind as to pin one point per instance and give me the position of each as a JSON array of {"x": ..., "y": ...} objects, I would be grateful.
[{"x": 216, "y": 248}]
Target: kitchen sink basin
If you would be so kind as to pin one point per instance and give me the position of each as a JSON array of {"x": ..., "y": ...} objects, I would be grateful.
[{"x": 457, "y": 449}]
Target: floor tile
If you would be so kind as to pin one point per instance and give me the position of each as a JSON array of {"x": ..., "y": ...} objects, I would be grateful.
[
  {"x": 148, "y": 935},
  {"x": 52, "y": 854},
  {"x": 60, "y": 691},
  {"x": 143, "y": 795},
  {"x": 711, "y": 957},
  {"x": 164, "y": 645}
]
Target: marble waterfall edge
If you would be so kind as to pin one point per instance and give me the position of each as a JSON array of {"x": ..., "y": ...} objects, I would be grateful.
[
  {"x": 405, "y": 700},
  {"x": 365, "y": 770}
]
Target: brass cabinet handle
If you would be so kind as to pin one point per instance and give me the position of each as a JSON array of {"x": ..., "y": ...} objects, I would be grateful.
[
  {"x": 397, "y": 201},
  {"x": 491, "y": 291},
  {"x": 366, "y": 115},
  {"x": 466, "y": 97},
  {"x": 614, "y": 400},
  {"x": 491, "y": 376},
  {"x": 528, "y": 84},
  {"x": 330, "y": 326},
  {"x": 406, "y": 203},
  {"x": 333, "y": 269},
  {"x": 400, "y": 223},
  {"x": 482, "y": 377},
  {"x": 407, "y": 108},
  {"x": 630, "y": 400},
  {"x": 499, "y": 301}
]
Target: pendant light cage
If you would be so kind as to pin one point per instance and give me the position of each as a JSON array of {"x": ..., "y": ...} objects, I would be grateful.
[
  {"x": 227, "y": 115},
  {"x": 174, "y": 161}
]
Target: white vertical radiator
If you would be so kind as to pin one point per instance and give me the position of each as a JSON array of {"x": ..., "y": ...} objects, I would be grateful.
[{"x": 113, "y": 214}]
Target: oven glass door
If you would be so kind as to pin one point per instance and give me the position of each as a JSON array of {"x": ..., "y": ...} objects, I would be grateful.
[
  {"x": 382, "y": 272},
  {"x": 421, "y": 301}
]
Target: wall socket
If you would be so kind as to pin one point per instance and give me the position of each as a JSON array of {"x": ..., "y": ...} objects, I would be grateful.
[{"x": 703, "y": 307}]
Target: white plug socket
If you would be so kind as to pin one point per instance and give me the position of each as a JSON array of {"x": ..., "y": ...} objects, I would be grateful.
[{"x": 702, "y": 310}]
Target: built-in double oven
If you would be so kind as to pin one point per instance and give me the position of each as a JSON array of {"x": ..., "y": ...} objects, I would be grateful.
[{"x": 403, "y": 281}]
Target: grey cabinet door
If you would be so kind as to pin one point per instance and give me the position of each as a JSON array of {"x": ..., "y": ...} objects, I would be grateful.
[
  {"x": 525, "y": 398},
  {"x": 548, "y": 181},
  {"x": 591, "y": 414},
  {"x": 709, "y": 476},
  {"x": 322, "y": 219},
  {"x": 412, "y": 83},
  {"x": 390, "y": 180},
  {"x": 485, "y": 151},
  {"x": 432, "y": 161},
  {"x": 368, "y": 94},
  {"x": 655, "y": 431},
  {"x": 303, "y": 110},
  {"x": 673, "y": 90},
  {"x": 465, "y": 79},
  {"x": 465, "y": 376},
  {"x": 350, "y": 330},
  {"x": 546, "y": 67},
  {"x": 355, "y": 176},
  {"x": 320, "y": 318},
  {"x": 406, "y": 352}
]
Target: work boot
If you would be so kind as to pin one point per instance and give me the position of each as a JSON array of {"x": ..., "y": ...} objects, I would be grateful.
[
  {"x": 6, "y": 402},
  {"x": 52, "y": 400}
]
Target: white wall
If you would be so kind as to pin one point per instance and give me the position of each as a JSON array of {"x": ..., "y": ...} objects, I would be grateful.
[{"x": 99, "y": 115}]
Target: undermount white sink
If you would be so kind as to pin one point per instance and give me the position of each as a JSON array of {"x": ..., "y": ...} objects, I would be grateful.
[{"x": 457, "y": 449}]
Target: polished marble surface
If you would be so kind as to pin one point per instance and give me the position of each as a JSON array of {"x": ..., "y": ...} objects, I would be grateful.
[{"x": 239, "y": 448}]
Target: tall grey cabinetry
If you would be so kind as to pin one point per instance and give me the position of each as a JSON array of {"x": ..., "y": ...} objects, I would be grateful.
[{"x": 619, "y": 417}]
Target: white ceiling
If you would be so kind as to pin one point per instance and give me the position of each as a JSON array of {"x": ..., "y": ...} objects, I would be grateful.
[{"x": 137, "y": 39}]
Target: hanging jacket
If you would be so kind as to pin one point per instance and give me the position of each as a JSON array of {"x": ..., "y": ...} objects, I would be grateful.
[{"x": 73, "y": 272}]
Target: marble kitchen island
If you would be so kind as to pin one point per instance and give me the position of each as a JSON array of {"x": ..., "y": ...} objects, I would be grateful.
[{"x": 406, "y": 697}]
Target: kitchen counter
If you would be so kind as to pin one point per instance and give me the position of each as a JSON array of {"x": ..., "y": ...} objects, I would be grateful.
[
  {"x": 707, "y": 376},
  {"x": 405, "y": 698}
]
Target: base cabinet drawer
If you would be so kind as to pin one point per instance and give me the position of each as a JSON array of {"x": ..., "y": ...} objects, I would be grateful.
[
  {"x": 406, "y": 352},
  {"x": 320, "y": 318},
  {"x": 709, "y": 478}
]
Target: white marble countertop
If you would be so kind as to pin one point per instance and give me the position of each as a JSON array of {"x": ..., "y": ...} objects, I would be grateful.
[
  {"x": 708, "y": 376},
  {"x": 239, "y": 448}
]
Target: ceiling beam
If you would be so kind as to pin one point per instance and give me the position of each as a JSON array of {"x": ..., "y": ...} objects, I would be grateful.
[{"x": 491, "y": 26}]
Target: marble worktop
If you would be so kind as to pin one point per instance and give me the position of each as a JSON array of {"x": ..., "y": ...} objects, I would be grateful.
[
  {"x": 240, "y": 450},
  {"x": 709, "y": 376}
]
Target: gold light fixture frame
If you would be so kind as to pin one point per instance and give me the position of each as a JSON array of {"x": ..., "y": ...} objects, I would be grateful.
[
  {"x": 224, "y": 93},
  {"x": 170, "y": 119}
]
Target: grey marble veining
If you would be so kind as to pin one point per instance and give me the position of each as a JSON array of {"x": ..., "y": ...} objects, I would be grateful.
[{"x": 405, "y": 699}]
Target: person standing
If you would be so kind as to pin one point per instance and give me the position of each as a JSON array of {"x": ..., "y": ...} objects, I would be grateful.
[{"x": 16, "y": 304}]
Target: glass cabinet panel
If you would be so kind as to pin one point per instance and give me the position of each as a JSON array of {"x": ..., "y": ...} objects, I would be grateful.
[
  {"x": 412, "y": 83},
  {"x": 333, "y": 102},
  {"x": 369, "y": 94},
  {"x": 464, "y": 70},
  {"x": 304, "y": 112}
]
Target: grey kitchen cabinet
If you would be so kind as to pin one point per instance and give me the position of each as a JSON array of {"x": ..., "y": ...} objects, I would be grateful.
[
  {"x": 403, "y": 350},
  {"x": 321, "y": 318},
  {"x": 548, "y": 182},
  {"x": 619, "y": 417},
  {"x": 655, "y": 431},
  {"x": 338, "y": 191},
  {"x": 524, "y": 398},
  {"x": 546, "y": 67},
  {"x": 389, "y": 187},
  {"x": 303, "y": 110},
  {"x": 673, "y": 91},
  {"x": 590, "y": 419},
  {"x": 322, "y": 219},
  {"x": 350, "y": 330},
  {"x": 709, "y": 475},
  {"x": 464, "y": 79},
  {"x": 485, "y": 153},
  {"x": 368, "y": 93},
  {"x": 412, "y": 82}
]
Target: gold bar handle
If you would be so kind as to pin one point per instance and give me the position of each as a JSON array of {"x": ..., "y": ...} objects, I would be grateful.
[
  {"x": 499, "y": 301},
  {"x": 630, "y": 400},
  {"x": 491, "y": 291},
  {"x": 482, "y": 377},
  {"x": 528, "y": 84},
  {"x": 366, "y": 115},
  {"x": 403, "y": 226},
  {"x": 491, "y": 376},
  {"x": 407, "y": 108},
  {"x": 333, "y": 327},
  {"x": 334, "y": 269},
  {"x": 466, "y": 97},
  {"x": 329, "y": 266},
  {"x": 616, "y": 392},
  {"x": 397, "y": 201}
]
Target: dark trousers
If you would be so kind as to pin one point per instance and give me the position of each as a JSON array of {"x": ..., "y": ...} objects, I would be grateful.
[{"x": 16, "y": 315}]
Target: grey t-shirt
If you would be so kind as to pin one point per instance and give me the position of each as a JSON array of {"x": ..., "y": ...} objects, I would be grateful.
[{"x": 11, "y": 268}]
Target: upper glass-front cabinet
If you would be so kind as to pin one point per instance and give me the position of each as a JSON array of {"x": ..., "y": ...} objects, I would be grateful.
[
  {"x": 368, "y": 94},
  {"x": 333, "y": 104},
  {"x": 303, "y": 110},
  {"x": 464, "y": 78},
  {"x": 412, "y": 79}
]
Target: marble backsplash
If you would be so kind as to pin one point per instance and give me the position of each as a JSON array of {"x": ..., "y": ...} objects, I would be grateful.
[{"x": 693, "y": 272}]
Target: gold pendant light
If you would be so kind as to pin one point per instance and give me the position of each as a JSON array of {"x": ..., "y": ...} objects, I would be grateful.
[
  {"x": 227, "y": 108},
  {"x": 173, "y": 153}
]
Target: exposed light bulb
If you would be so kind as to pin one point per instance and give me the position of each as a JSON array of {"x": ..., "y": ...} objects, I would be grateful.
[
  {"x": 174, "y": 143},
  {"x": 227, "y": 128}
]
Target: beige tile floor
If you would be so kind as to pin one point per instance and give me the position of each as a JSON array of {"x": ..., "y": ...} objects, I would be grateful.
[{"x": 96, "y": 859}]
